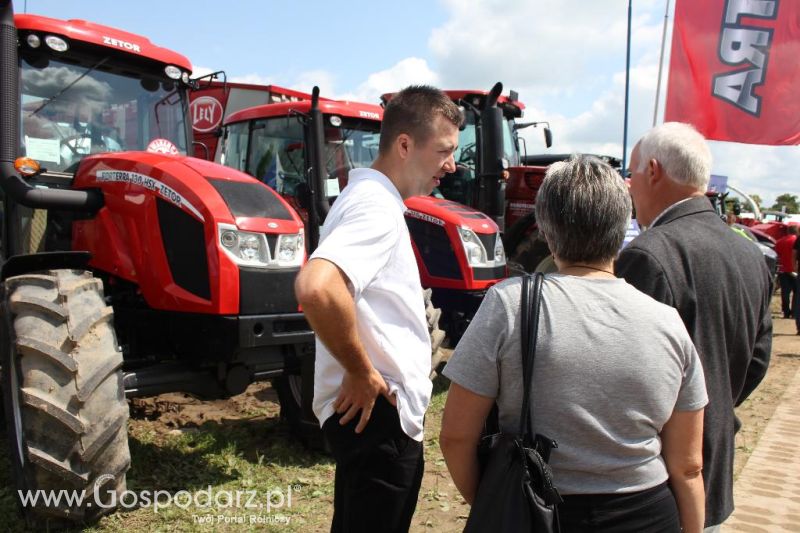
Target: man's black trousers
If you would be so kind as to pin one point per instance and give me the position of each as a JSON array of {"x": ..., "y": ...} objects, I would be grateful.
[{"x": 378, "y": 472}]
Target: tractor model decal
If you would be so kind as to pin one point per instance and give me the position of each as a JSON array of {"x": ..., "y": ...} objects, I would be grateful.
[
  {"x": 151, "y": 184},
  {"x": 425, "y": 217}
]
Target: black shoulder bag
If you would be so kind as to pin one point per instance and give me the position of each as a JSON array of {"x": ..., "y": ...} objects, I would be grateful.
[{"x": 516, "y": 491}]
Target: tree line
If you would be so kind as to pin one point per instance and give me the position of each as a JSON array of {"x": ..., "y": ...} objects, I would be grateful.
[{"x": 784, "y": 202}]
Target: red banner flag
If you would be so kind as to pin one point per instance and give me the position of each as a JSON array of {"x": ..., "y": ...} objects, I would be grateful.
[{"x": 735, "y": 70}]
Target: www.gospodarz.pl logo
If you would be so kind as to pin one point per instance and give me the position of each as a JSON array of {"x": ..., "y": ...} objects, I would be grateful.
[{"x": 201, "y": 500}]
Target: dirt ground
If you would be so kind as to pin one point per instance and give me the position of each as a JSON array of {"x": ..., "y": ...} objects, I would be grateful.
[{"x": 440, "y": 508}]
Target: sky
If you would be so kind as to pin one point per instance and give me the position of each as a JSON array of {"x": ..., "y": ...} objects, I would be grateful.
[{"x": 565, "y": 58}]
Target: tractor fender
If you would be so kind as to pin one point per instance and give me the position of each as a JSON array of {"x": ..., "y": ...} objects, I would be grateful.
[{"x": 25, "y": 264}]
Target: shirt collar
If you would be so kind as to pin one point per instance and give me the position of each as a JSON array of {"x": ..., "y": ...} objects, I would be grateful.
[
  {"x": 357, "y": 174},
  {"x": 664, "y": 212}
]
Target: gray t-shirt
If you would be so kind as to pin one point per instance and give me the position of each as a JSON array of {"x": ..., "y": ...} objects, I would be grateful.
[{"x": 612, "y": 364}]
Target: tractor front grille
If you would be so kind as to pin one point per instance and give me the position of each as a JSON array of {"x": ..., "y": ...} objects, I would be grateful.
[{"x": 185, "y": 247}]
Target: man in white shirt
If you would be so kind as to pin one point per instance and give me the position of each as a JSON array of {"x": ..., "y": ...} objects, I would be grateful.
[{"x": 360, "y": 292}]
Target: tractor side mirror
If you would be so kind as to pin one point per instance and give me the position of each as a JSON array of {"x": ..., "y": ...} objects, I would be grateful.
[{"x": 548, "y": 137}]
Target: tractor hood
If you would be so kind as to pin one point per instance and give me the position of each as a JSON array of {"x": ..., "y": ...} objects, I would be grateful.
[
  {"x": 191, "y": 235},
  {"x": 205, "y": 190},
  {"x": 440, "y": 211}
]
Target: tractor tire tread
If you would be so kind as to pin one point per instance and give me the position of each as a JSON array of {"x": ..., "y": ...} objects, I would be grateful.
[{"x": 68, "y": 368}]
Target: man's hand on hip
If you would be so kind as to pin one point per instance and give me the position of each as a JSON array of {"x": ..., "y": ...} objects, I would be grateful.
[{"x": 358, "y": 393}]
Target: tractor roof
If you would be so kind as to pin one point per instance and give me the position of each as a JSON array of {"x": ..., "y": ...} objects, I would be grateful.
[
  {"x": 475, "y": 97},
  {"x": 100, "y": 35},
  {"x": 328, "y": 107}
]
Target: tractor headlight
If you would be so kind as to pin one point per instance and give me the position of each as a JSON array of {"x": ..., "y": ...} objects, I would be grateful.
[
  {"x": 473, "y": 248},
  {"x": 172, "y": 72},
  {"x": 477, "y": 250},
  {"x": 244, "y": 247},
  {"x": 291, "y": 250},
  {"x": 499, "y": 252},
  {"x": 56, "y": 43},
  {"x": 247, "y": 248},
  {"x": 250, "y": 247}
]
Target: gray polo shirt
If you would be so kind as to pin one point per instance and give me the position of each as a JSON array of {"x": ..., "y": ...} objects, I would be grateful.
[{"x": 612, "y": 364}]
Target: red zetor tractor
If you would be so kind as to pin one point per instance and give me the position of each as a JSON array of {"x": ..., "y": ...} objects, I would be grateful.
[
  {"x": 495, "y": 175},
  {"x": 305, "y": 149},
  {"x": 128, "y": 268},
  {"x": 490, "y": 175}
]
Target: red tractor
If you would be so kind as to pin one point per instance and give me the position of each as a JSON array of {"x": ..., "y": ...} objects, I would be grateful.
[
  {"x": 304, "y": 149},
  {"x": 128, "y": 268},
  {"x": 491, "y": 175},
  {"x": 212, "y": 101}
]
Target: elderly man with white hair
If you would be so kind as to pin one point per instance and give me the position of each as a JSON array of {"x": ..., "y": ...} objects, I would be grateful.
[{"x": 688, "y": 258}]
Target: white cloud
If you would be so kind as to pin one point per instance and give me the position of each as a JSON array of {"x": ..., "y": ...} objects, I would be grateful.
[
  {"x": 197, "y": 71},
  {"x": 549, "y": 46},
  {"x": 256, "y": 79},
  {"x": 323, "y": 79},
  {"x": 411, "y": 70},
  {"x": 566, "y": 58}
]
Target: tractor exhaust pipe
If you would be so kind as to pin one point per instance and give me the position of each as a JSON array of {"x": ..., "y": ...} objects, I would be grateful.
[
  {"x": 491, "y": 191},
  {"x": 317, "y": 171},
  {"x": 10, "y": 181}
]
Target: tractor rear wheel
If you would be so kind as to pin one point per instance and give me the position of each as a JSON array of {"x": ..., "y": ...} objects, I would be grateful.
[
  {"x": 432, "y": 315},
  {"x": 289, "y": 389},
  {"x": 65, "y": 405}
]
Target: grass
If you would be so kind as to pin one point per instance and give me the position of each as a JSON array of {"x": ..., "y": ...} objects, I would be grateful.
[{"x": 254, "y": 457}]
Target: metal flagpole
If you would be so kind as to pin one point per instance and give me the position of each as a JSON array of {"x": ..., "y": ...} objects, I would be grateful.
[
  {"x": 661, "y": 64},
  {"x": 627, "y": 89}
]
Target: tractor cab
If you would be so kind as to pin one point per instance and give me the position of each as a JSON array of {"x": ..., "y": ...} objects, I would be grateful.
[
  {"x": 462, "y": 185},
  {"x": 270, "y": 142},
  {"x": 84, "y": 92}
]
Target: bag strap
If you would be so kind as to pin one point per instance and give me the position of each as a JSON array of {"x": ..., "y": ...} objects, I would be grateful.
[{"x": 530, "y": 306}]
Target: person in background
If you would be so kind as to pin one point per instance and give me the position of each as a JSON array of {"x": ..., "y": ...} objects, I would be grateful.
[
  {"x": 617, "y": 382},
  {"x": 361, "y": 293},
  {"x": 787, "y": 275},
  {"x": 689, "y": 258},
  {"x": 796, "y": 263},
  {"x": 730, "y": 219}
]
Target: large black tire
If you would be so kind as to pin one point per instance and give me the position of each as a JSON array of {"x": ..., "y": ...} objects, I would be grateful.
[
  {"x": 526, "y": 250},
  {"x": 64, "y": 399},
  {"x": 289, "y": 389}
]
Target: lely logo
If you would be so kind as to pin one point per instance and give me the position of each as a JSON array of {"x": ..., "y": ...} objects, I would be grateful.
[{"x": 206, "y": 114}]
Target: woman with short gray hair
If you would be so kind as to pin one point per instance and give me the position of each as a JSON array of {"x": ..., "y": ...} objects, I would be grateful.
[{"x": 617, "y": 381}]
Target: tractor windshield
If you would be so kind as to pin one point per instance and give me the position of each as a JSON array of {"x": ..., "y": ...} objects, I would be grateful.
[
  {"x": 467, "y": 153},
  {"x": 69, "y": 111},
  {"x": 352, "y": 145},
  {"x": 273, "y": 150},
  {"x": 461, "y": 186}
]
